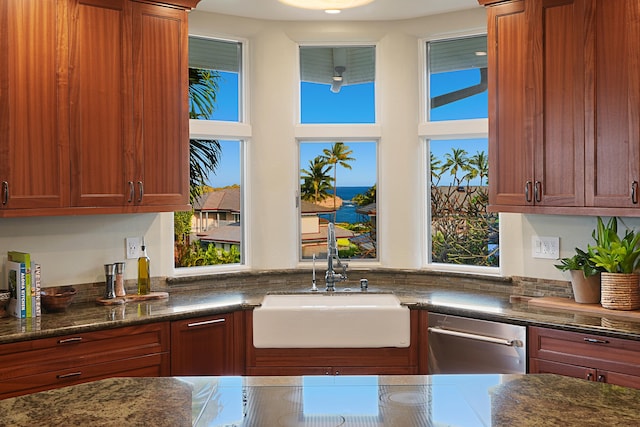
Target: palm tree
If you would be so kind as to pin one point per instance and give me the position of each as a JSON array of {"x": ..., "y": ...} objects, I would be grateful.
[
  {"x": 316, "y": 182},
  {"x": 203, "y": 153},
  {"x": 457, "y": 161},
  {"x": 337, "y": 155},
  {"x": 481, "y": 165}
]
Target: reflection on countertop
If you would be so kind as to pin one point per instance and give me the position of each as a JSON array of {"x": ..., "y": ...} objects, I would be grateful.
[
  {"x": 460, "y": 400},
  {"x": 210, "y": 297}
]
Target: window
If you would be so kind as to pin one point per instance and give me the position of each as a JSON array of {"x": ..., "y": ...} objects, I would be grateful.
[
  {"x": 337, "y": 84},
  {"x": 215, "y": 65},
  {"x": 337, "y": 176},
  {"x": 462, "y": 231},
  {"x": 212, "y": 233},
  {"x": 338, "y": 184}
]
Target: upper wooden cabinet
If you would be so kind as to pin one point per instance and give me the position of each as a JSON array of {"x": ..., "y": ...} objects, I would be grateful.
[
  {"x": 96, "y": 114},
  {"x": 564, "y": 106},
  {"x": 34, "y": 106}
]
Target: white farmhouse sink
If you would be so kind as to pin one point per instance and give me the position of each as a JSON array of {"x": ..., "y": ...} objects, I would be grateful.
[{"x": 329, "y": 320}]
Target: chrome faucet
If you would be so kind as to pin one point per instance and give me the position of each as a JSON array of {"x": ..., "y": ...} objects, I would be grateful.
[{"x": 331, "y": 277}]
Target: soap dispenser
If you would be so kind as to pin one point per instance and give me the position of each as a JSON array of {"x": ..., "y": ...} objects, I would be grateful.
[{"x": 144, "y": 278}]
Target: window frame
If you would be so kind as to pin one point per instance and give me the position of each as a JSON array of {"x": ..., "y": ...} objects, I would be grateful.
[
  {"x": 445, "y": 130},
  {"x": 235, "y": 131},
  {"x": 344, "y": 132}
]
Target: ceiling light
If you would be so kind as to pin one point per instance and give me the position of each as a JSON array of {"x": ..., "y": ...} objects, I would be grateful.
[
  {"x": 326, "y": 4},
  {"x": 332, "y": 11}
]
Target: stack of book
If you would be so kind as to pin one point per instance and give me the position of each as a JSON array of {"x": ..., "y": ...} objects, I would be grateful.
[{"x": 23, "y": 281}]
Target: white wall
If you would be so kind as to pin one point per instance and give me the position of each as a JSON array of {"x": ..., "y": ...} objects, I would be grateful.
[{"x": 73, "y": 249}]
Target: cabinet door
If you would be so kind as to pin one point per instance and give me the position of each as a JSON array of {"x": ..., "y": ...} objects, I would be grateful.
[
  {"x": 34, "y": 150},
  {"x": 203, "y": 346},
  {"x": 540, "y": 366},
  {"x": 510, "y": 149},
  {"x": 613, "y": 103},
  {"x": 617, "y": 378},
  {"x": 101, "y": 99},
  {"x": 160, "y": 58},
  {"x": 557, "y": 78}
]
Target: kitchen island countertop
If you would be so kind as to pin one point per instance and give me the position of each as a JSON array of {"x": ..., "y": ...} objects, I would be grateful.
[{"x": 461, "y": 400}]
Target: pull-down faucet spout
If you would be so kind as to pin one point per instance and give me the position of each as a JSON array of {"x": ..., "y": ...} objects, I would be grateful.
[{"x": 331, "y": 277}]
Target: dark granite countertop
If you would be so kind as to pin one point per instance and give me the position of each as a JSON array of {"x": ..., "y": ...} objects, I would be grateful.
[
  {"x": 185, "y": 302},
  {"x": 407, "y": 401}
]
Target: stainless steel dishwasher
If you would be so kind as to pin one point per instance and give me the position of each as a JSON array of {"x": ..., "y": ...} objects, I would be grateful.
[{"x": 460, "y": 345}]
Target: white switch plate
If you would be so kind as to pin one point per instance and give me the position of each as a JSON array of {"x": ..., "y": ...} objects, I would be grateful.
[
  {"x": 545, "y": 247},
  {"x": 133, "y": 247}
]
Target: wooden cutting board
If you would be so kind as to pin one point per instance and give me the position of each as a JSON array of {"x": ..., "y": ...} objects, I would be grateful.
[
  {"x": 566, "y": 304},
  {"x": 132, "y": 297}
]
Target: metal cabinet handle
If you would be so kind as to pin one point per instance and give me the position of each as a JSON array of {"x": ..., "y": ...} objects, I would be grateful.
[
  {"x": 70, "y": 340},
  {"x": 205, "y": 322},
  {"x": 5, "y": 192},
  {"x": 596, "y": 341},
  {"x": 483, "y": 338},
  {"x": 537, "y": 191},
  {"x": 140, "y": 190},
  {"x": 601, "y": 379},
  {"x": 634, "y": 192},
  {"x": 69, "y": 375},
  {"x": 589, "y": 376},
  {"x": 132, "y": 192},
  {"x": 527, "y": 191}
]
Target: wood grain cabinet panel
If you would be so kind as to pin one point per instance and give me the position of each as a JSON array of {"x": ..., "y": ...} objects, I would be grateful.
[
  {"x": 41, "y": 364},
  {"x": 333, "y": 361},
  {"x": 34, "y": 140},
  {"x": 564, "y": 106},
  {"x": 591, "y": 357},
  {"x": 209, "y": 345},
  {"x": 93, "y": 107}
]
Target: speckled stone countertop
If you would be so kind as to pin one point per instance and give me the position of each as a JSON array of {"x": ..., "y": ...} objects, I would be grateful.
[
  {"x": 407, "y": 401},
  {"x": 210, "y": 298}
]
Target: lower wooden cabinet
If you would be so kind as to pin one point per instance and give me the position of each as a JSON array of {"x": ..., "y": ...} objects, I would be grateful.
[
  {"x": 42, "y": 364},
  {"x": 209, "y": 345},
  {"x": 332, "y": 361},
  {"x": 591, "y": 357}
]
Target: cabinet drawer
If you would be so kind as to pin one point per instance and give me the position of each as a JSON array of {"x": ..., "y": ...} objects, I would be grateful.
[
  {"x": 576, "y": 348},
  {"x": 150, "y": 365},
  {"x": 78, "y": 350}
]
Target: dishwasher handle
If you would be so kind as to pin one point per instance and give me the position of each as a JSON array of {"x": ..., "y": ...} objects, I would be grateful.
[{"x": 483, "y": 338}]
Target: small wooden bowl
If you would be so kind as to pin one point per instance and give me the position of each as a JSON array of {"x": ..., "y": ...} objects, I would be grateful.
[{"x": 57, "y": 299}]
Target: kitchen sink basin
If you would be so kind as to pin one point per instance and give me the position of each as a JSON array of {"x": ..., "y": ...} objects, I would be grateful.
[{"x": 331, "y": 320}]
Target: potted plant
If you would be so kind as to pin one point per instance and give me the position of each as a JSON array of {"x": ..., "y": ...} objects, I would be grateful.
[
  {"x": 619, "y": 257},
  {"x": 585, "y": 277}
]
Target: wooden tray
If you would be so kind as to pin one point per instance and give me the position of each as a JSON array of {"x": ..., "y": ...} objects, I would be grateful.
[
  {"x": 132, "y": 297},
  {"x": 566, "y": 304}
]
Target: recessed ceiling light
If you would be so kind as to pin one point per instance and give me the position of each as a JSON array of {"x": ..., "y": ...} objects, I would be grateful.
[
  {"x": 326, "y": 4},
  {"x": 332, "y": 11}
]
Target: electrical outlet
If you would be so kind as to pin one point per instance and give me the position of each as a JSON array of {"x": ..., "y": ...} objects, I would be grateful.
[
  {"x": 133, "y": 247},
  {"x": 545, "y": 247}
]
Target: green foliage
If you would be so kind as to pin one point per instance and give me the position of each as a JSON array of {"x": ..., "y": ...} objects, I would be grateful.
[
  {"x": 366, "y": 198},
  {"x": 463, "y": 231},
  {"x": 316, "y": 181},
  {"x": 613, "y": 254},
  {"x": 580, "y": 261},
  {"x": 182, "y": 226},
  {"x": 192, "y": 255}
]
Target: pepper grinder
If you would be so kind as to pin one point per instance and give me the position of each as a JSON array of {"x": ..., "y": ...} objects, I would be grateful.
[
  {"x": 120, "y": 291},
  {"x": 109, "y": 270}
]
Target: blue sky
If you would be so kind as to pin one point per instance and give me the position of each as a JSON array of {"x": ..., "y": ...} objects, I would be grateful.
[{"x": 353, "y": 104}]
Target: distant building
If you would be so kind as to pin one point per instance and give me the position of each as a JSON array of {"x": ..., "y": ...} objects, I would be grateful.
[{"x": 216, "y": 209}]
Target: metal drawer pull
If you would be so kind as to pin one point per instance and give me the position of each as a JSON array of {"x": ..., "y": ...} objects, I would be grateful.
[
  {"x": 205, "y": 322},
  {"x": 596, "y": 341},
  {"x": 5, "y": 190},
  {"x": 483, "y": 338},
  {"x": 69, "y": 375},
  {"x": 527, "y": 190},
  {"x": 132, "y": 192},
  {"x": 601, "y": 379},
  {"x": 70, "y": 340}
]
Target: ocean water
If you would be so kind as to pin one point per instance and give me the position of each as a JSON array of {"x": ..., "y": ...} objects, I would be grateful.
[{"x": 347, "y": 212}]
